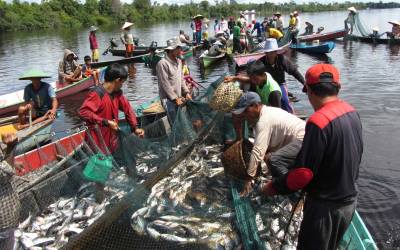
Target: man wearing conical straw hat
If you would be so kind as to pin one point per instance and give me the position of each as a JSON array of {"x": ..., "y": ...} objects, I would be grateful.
[
  {"x": 127, "y": 39},
  {"x": 94, "y": 47},
  {"x": 350, "y": 20},
  {"x": 395, "y": 29},
  {"x": 40, "y": 99}
]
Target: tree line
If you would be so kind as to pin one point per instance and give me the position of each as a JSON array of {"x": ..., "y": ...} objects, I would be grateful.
[{"x": 74, "y": 14}]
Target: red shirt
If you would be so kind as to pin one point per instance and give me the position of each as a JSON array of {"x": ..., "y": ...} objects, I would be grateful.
[
  {"x": 95, "y": 110},
  {"x": 197, "y": 25},
  {"x": 93, "y": 41}
]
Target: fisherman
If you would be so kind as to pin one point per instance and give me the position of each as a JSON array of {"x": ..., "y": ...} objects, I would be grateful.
[
  {"x": 216, "y": 49},
  {"x": 242, "y": 20},
  {"x": 309, "y": 28},
  {"x": 69, "y": 70},
  {"x": 39, "y": 99},
  {"x": 184, "y": 38},
  {"x": 87, "y": 70},
  {"x": 127, "y": 39},
  {"x": 298, "y": 19},
  {"x": 171, "y": 84},
  {"x": 327, "y": 166},
  {"x": 261, "y": 82},
  {"x": 350, "y": 20},
  {"x": 197, "y": 25},
  {"x": 277, "y": 64},
  {"x": 279, "y": 23},
  {"x": 292, "y": 21},
  {"x": 205, "y": 29},
  {"x": 237, "y": 47},
  {"x": 216, "y": 26},
  {"x": 94, "y": 47},
  {"x": 276, "y": 132},
  {"x": 231, "y": 24},
  {"x": 192, "y": 27},
  {"x": 10, "y": 205},
  {"x": 264, "y": 24},
  {"x": 395, "y": 30},
  {"x": 274, "y": 33},
  {"x": 257, "y": 27},
  {"x": 224, "y": 25}
]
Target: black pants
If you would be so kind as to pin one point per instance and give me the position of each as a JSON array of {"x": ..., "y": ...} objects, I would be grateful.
[
  {"x": 324, "y": 224},
  {"x": 283, "y": 160},
  {"x": 237, "y": 47}
]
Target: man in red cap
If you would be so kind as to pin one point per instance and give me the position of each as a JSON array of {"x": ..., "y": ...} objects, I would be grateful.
[{"x": 327, "y": 165}]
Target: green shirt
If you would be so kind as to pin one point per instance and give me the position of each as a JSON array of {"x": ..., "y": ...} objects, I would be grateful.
[
  {"x": 270, "y": 86},
  {"x": 236, "y": 31}
]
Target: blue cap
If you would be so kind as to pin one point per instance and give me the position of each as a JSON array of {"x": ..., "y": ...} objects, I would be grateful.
[{"x": 247, "y": 99}]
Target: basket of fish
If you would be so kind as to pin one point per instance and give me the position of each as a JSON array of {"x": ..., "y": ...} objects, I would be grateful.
[
  {"x": 225, "y": 97},
  {"x": 236, "y": 158}
]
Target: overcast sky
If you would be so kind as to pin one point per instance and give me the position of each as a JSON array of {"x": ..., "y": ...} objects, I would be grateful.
[{"x": 242, "y": 1}]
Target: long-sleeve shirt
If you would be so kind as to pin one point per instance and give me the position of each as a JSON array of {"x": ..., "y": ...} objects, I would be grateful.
[
  {"x": 275, "y": 129},
  {"x": 99, "y": 107},
  {"x": 328, "y": 163},
  {"x": 93, "y": 41},
  {"x": 171, "y": 83},
  {"x": 224, "y": 25},
  {"x": 258, "y": 27},
  {"x": 281, "y": 66}
]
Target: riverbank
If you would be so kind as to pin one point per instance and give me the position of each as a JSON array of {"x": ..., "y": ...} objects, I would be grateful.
[{"x": 71, "y": 14}]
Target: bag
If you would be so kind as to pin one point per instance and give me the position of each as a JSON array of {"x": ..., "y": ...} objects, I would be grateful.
[{"x": 98, "y": 168}]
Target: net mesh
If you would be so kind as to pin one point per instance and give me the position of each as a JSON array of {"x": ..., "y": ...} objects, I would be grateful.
[{"x": 360, "y": 27}]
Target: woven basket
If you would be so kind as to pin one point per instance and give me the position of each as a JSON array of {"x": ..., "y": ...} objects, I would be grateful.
[
  {"x": 154, "y": 108},
  {"x": 236, "y": 158},
  {"x": 225, "y": 97}
]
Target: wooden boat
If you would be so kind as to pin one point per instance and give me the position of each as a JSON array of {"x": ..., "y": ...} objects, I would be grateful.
[
  {"x": 373, "y": 40},
  {"x": 10, "y": 102},
  {"x": 328, "y": 36},
  {"x": 320, "y": 48},
  {"x": 133, "y": 59},
  {"x": 29, "y": 137},
  {"x": 207, "y": 61},
  {"x": 242, "y": 59},
  {"x": 139, "y": 50},
  {"x": 357, "y": 236}
]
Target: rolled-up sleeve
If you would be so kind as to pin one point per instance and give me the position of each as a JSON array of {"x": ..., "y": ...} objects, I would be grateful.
[{"x": 164, "y": 82}]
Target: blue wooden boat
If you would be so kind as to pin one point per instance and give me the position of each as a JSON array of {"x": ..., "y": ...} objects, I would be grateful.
[{"x": 314, "y": 48}]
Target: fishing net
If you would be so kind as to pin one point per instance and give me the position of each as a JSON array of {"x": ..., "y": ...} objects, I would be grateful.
[{"x": 360, "y": 27}]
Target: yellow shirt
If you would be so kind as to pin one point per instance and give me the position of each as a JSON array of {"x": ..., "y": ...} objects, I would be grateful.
[
  {"x": 274, "y": 33},
  {"x": 292, "y": 21}
]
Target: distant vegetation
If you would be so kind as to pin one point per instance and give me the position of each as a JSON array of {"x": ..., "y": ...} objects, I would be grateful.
[{"x": 60, "y": 14}]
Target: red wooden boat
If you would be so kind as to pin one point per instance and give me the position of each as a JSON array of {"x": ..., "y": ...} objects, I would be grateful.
[
  {"x": 323, "y": 36},
  {"x": 242, "y": 60}
]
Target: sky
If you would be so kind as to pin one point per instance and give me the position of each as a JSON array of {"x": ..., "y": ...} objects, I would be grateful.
[{"x": 242, "y": 1}]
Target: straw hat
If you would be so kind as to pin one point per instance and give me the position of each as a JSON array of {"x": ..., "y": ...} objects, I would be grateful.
[
  {"x": 271, "y": 45},
  {"x": 277, "y": 13},
  {"x": 375, "y": 29},
  {"x": 198, "y": 16},
  {"x": 295, "y": 12},
  {"x": 395, "y": 23},
  {"x": 173, "y": 43},
  {"x": 206, "y": 20},
  {"x": 93, "y": 28},
  {"x": 352, "y": 9},
  {"x": 126, "y": 25},
  {"x": 33, "y": 73}
]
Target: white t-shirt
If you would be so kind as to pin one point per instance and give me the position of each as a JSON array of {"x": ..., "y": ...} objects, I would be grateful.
[
  {"x": 298, "y": 23},
  {"x": 275, "y": 129}
]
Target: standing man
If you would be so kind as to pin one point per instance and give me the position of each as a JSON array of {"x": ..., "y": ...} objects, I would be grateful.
[
  {"x": 350, "y": 20},
  {"x": 69, "y": 70},
  {"x": 94, "y": 47},
  {"x": 198, "y": 25},
  {"x": 40, "y": 99},
  {"x": 279, "y": 21},
  {"x": 224, "y": 25},
  {"x": 10, "y": 205},
  {"x": 395, "y": 30},
  {"x": 277, "y": 64},
  {"x": 257, "y": 27},
  {"x": 127, "y": 39},
  {"x": 231, "y": 24},
  {"x": 171, "y": 84},
  {"x": 237, "y": 46},
  {"x": 327, "y": 165}
]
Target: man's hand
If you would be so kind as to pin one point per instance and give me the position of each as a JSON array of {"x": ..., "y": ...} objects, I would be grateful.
[
  {"x": 28, "y": 106},
  {"x": 229, "y": 78},
  {"x": 139, "y": 132},
  {"x": 179, "y": 101},
  {"x": 188, "y": 96},
  {"x": 268, "y": 189},
  {"x": 9, "y": 138},
  {"x": 51, "y": 114},
  {"x": 113, "y": 125},
  {"x": 247, "y": 188}
]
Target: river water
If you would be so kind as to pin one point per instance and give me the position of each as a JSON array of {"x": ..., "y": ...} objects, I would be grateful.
[{"x": 370, "y": 82}]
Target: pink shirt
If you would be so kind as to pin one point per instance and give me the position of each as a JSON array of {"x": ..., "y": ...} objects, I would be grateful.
[{"x": 93, "y": 41}]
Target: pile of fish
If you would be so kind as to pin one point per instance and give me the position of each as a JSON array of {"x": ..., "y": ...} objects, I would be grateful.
[
  {"x": 191, "y": 205},
  {"x": 66, "y": 217}
]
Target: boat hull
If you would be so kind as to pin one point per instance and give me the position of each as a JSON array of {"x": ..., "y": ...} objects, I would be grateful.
[
  {"x": 207, "y": 61},
  {"x": 372, "y": 40},
  {"x": 324, "y": 36},
  {"x": 323, "y": 48}
]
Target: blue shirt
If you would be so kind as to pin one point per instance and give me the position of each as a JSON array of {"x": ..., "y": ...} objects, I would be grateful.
[
  {"x": 258, "y": 27},
  {"x": 41, "y": 98}
]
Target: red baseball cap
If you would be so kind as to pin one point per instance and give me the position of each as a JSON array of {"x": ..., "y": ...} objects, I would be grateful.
[{"x": 322, "y": 73}]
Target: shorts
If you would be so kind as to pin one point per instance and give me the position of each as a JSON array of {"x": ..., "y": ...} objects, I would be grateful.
[
  {"x": 129, "y": 48},
  {"x": 95, "y": 55}
]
